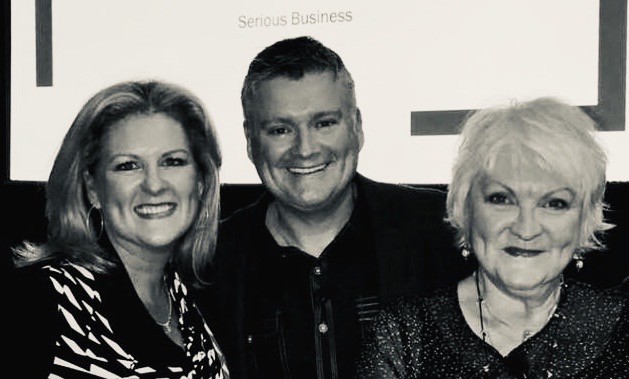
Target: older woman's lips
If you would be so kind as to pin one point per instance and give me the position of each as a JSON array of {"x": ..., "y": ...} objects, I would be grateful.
[{"x": 517, "y": 252}]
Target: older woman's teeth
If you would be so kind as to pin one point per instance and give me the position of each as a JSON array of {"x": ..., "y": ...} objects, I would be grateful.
[
  {"x": 517, "y": 252},
  {"x": 307, "y": 170}
]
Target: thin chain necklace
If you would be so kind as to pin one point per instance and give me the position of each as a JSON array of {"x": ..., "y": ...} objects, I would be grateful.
[
  {"x": 480, "y": 307},
  {"x": 527, "y": 333},
  {"x": 166, "y": 324}
]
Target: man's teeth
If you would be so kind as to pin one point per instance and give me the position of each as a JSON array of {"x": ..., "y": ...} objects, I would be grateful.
[
  {"x": 306, "y": 170},
  {"x": 154, "y": 209}
]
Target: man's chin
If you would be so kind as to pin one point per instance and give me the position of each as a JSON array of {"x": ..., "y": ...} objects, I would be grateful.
[{"x": 312, "y": 203}]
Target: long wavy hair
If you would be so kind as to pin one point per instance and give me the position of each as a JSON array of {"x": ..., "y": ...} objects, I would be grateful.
[{"x": 71, "y": 236}]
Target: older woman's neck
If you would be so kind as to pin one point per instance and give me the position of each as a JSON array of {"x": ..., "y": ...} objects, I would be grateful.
[{"x": 515, "y": 304}]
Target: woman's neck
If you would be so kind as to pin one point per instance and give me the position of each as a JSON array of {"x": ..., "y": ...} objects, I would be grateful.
[
  {"x": 506, "y": 319},
  {"x": 146, "y": 270},
  {"x": 519, "y": 306}
]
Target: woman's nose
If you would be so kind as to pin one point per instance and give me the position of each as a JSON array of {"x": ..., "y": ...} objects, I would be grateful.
[
  {"x": 153, "y": 181},
  {"x": 526, "y": 226}
]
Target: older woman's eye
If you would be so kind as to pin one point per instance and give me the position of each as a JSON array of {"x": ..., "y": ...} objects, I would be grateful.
[
  {"x": 498, "y": 198},
  {"x": 126, "y": 166},
  {"x": 557, "y": 204}
]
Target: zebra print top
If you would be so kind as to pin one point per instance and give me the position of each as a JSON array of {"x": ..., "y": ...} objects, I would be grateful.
[{"x": 95, "y": 326}]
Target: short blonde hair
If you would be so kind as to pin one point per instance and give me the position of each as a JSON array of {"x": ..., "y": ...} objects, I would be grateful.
[{"x": 545, "y": 132}]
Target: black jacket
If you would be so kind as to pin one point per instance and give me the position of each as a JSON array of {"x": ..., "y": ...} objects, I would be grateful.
[{"x": 414, "y": 247}]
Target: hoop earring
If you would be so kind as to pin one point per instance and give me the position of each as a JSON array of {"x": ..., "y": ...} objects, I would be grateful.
[{"x": 87, "y": 221}]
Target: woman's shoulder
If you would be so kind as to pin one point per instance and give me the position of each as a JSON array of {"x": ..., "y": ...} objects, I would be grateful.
[
  {"x": 31, "y": 276},
  {"x": 593, "y": 297},
  {"x": 43, "y": 281},
  {"x": 416, "y": 304},
  {"x": 50, "y": 268},
  {"x": 592, "y": 312}
]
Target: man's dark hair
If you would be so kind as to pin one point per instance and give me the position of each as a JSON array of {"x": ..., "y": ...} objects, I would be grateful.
[{"x": 291, "y": 58}]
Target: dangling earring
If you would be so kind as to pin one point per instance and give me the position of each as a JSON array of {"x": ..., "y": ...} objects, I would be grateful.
[
  {"x": 465, "y": 252},
  {"x": 578, "y": 261},
  {"x": 87, "y": 221}
]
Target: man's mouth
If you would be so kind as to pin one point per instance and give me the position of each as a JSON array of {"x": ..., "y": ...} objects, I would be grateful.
[{"x": 307, "y": 170}]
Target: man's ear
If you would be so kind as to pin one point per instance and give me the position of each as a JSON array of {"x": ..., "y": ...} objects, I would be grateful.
[
  {"x": 247, "y": 126},
  {"x": 90, "y": 187},
  {"x": 358, "y": 127}
]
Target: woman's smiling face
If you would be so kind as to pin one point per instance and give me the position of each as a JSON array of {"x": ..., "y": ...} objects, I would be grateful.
[
  {"x": 146, "y": 183},
  {"x": 525, "y": 224}
]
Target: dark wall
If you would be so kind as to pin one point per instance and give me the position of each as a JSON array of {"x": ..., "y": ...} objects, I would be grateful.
[{"x": 23, "y": 218}]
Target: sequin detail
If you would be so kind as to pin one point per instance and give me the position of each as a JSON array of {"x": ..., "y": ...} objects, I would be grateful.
[{"x": 419, "y": 337}]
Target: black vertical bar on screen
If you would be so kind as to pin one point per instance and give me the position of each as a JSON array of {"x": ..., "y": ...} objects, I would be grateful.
[
  {"x": 43, "y": 42},
  {"x": 613, "y": 47},
  {"x": 5, "y": 87},
  {"x": 612, "y": 71}
]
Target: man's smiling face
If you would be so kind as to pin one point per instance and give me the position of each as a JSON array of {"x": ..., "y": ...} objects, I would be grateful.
[{"x": 304, "y": 137}]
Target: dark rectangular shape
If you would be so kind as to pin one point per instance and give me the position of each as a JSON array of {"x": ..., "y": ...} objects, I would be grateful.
[
  {"x": 610, "y": 110},
  {"x": 43, "y": 42}
]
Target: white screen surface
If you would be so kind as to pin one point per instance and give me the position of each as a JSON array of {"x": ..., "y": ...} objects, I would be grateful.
[{"x": 404, "y": 56}]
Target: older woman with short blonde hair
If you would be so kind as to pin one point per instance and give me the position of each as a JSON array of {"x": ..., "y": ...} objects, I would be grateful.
[{"x": 526, "y": 199}]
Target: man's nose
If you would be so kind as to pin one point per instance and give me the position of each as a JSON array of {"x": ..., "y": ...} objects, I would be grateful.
[{"x": 305, "y": 143}]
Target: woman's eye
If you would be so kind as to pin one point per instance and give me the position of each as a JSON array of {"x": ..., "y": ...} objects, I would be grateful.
[
  {"x": 557, "y": 204},
  {"x": 175, "y": 161},
  {"x": 498, "y": 198},
  {"x": 126, "y": 166}
]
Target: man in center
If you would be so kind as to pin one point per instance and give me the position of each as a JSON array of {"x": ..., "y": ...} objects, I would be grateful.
[{"x": 301, "y": 272}]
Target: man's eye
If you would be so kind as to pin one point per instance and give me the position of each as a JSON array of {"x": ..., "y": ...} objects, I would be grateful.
[
  {"x": 175, "y": 161},
  {"x": 278, "y": 131},
  {"x": 126, "y": 166},
  {"x": 326, "y": 123},
  {"x": 498, "y": 198},
  {"x": 557, "y": 204}
]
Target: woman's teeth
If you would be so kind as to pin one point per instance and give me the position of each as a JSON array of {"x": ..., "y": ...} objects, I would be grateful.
[{"x": 159, "y": 210}]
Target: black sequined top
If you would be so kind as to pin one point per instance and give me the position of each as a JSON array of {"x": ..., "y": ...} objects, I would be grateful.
[{"x": 428, "y": 337}]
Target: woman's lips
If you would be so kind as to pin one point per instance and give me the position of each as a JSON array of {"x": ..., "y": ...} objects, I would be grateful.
[
  {"x": 518, "y": 252},
  {"x": 152, "y": 211}
]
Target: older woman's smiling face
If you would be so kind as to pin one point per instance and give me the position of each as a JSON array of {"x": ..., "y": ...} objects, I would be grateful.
[{"x": 524, "y": 224}]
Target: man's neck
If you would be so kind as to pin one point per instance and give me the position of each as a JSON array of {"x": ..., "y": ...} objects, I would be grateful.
[{"x": 309, "y": 231}]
